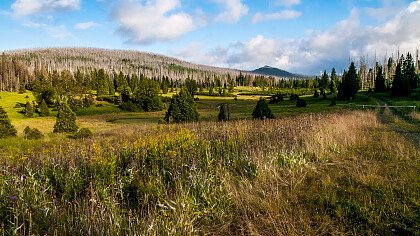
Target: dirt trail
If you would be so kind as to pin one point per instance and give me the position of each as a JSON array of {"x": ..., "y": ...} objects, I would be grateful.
[{"x": 412, "y": 135}]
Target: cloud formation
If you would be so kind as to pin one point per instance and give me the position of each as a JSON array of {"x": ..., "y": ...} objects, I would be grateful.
[
  {"x": 152, "y": 21},
  {"x": 288, "y": 2},
  {"x": 233, "y": 11},
  {"x": 30, "y": 7},
  {"x": 320, "y": 50},
  {"x": 283, "y": 15},
  {"x": 85, "y": 25}
]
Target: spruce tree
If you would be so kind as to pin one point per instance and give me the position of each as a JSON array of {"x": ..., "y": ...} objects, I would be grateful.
[
  {"x": 324, "y": 81},
  {"x": 380, "y": 79},
  {"x": 66, "y": 120},
  {"x": 262, "y": 110},
  {"x": 29, "y": 110},
  {"x": 350, "y": 84},
  {"x": 43, "y": 109},
  {"x": 400, "y": 84},
  {"x": 409, "y": 72},
  {"x": 6, "y": 127},
  {"x": 182, "y": 108}
]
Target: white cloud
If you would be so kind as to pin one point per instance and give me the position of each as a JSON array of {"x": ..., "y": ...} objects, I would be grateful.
[
  {"x": 388, "y": 9},
  {"x": 29, "y": 7},
  {"x": 58, "y": 32},
  {"x": 288, "y": 2},
  {"x": 283, "y": 15},
  {"x": 154, "y": 20},
  {"x": 320, "y": 50},
  {"x": 233, "y": 11},
  {"x": 85, "y": 25}
]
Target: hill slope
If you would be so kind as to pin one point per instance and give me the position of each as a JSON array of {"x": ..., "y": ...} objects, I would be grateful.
[
  {"x": 271, "y": 71},
  {"x": 126, "y": 61}
]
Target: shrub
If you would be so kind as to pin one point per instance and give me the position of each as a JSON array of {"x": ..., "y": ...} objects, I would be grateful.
[
  {"x": 276, "y": 98},
  {"x": 34, "y": 133},
  {"x": 262, "y": 111},
  {"x": 66, "y": 120},
  {"x": 293, "y": 97},
  {"x": 333, "y": 103},
  {"x": 300, "y": 103},
  {"x": 81, "y": 134},
  {"x": 316, "y": 94},
  {"x": 6, "y": 127}
]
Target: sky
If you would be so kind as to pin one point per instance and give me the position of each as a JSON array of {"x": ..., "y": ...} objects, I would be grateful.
[{"x": 301, "y": 36}]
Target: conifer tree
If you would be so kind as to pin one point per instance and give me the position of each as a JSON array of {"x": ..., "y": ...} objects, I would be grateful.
[
  {"x": 43, "y": 109},
  {"x": 29, "y": 110},
  {"x": 224, "y": 113},
  {"x": 324, "y": 81},
  {"x": 380, "y": 79},
  {"x": 182, "y": 108},
  {"x": 147, "y": 95},
  {"x": 400, "y": 84},
  {"x": 350, "y": 84},
  {"x": 6, "y": 127},
  {"x": 262, "y": 111},
  {"x": 66, "y": 120}
]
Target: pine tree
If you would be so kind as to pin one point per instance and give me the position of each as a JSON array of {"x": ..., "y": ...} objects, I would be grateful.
[
  {"x": 66, "y": 120},
  {"x": 380, "y": 79},
  {"x": 400, "y": 85},
  {"x": 6, "y": 127},
  {"x": 29, "y": 110},
  {"x": 350, "y": 84},
  {"x": 182, "y": 108},
  {"x": 43, "y": 109},
  {"x": 262, "y": 110}
]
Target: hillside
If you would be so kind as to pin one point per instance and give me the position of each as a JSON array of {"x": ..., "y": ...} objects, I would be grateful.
[
  {"x": 129, "y": 62},
  {"x": 271, "y": 71}
]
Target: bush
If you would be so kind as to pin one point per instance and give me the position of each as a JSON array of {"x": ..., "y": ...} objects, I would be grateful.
[
  {"x": 316, "y": 94},
  {"x": 32, "y": 134},
  {"x": 66, "y": 120},
  {"x": 6, "y": 127},
  {"x": 276, "y": 98},
  {"x": 293, "y": 97},
  {"x": 81, "y": 134},
  {"x": 301, "y": 103},
  {"x": 130, "y": 107},
  {"x": 262, "y": 111},
  {"x": 333, "y": 103}
]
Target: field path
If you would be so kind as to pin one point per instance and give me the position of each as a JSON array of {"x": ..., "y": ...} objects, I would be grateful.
[{"x": 400, "y": 123}]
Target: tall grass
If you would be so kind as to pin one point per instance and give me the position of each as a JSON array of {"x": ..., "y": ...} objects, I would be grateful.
[{"x": 331, "y": 174}]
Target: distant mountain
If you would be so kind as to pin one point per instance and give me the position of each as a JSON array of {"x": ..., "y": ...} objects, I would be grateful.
[{"x": 271, "y": 71}]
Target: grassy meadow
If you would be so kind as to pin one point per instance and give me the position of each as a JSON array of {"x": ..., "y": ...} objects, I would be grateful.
[{"x": 319, "y": 170}]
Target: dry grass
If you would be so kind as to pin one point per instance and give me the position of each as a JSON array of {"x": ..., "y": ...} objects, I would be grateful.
[{"x": 329, "y": 174}]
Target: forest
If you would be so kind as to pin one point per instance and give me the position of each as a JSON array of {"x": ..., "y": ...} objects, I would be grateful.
[{"x": 109, "y": 142}]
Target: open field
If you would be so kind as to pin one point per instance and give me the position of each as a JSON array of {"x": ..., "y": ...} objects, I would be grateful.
[
  {"x": 312, "y": 171},
  {"x": 337, "y": 173}
]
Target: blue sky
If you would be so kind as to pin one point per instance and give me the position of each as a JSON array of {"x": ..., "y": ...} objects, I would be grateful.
[{"x": 303, "y": 36}]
